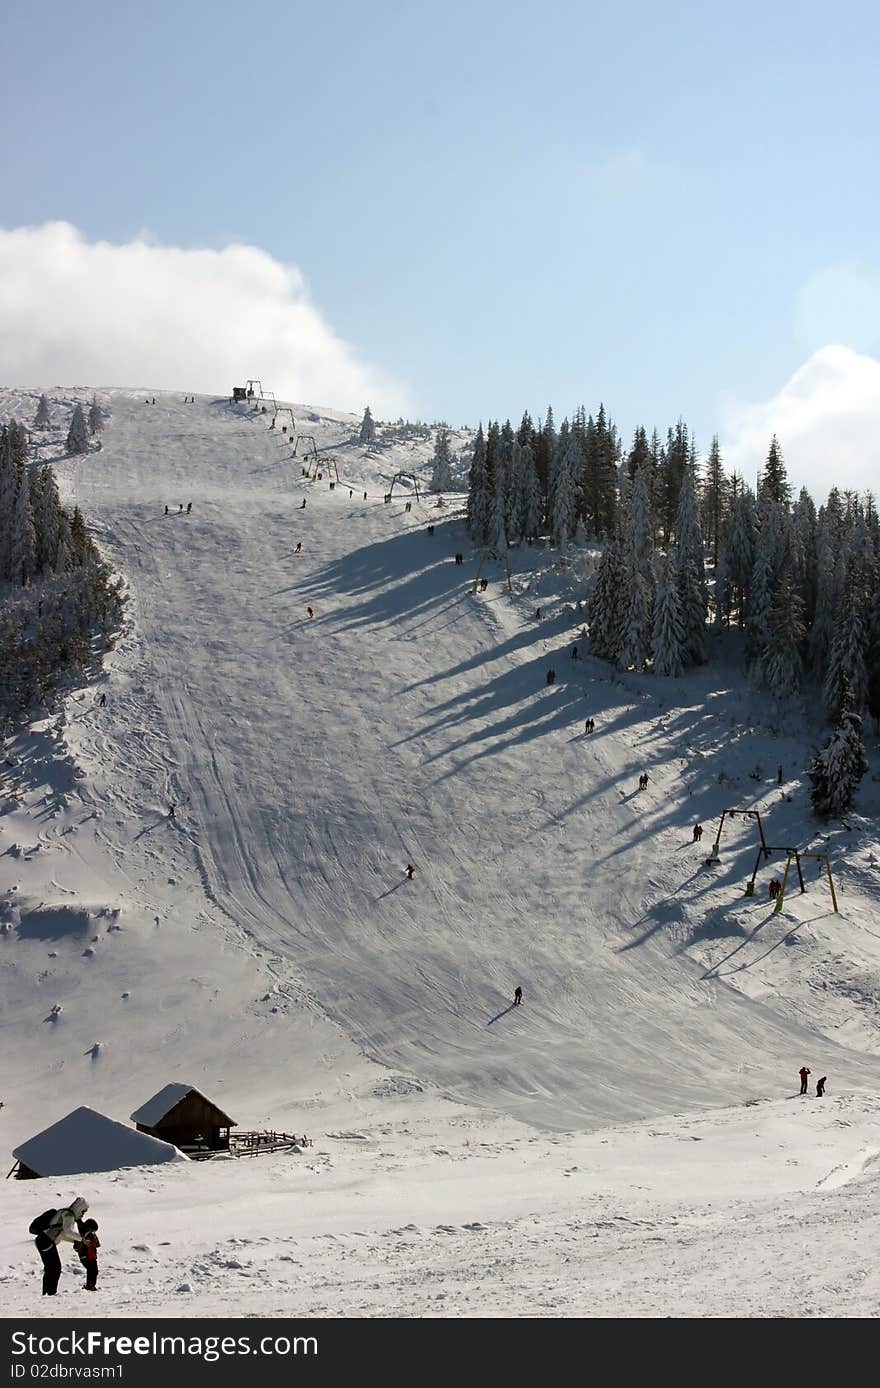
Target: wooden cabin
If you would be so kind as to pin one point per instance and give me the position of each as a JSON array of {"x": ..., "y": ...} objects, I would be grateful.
[
  {"x": 179, "y": 1114},
  {"x": 85, "y": 1140}
]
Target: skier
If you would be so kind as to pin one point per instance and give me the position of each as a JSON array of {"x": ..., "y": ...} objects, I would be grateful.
[
  {"x": 365, "y": 496},
  {"x": 298, "y": 549},
  {"x": 805, "y": 1075},
  {"x": 303, "y": 507},
  {"x": 643, "y": 781},
  {"x": 517, "y": 996},
  {"x": 171, "y": 808},
  {"x": 166, "y": 510},
  {"x": 51, "y": 1228},
  {"x": 103, "y": 699},
  {"x": 820, "y": 1087},
  {"x": 537, "y": 614},
  {"x": 189, "y": 507},
  {"x": 180, "y": 508},
  {"x": 574, "y": 652},
  {"x": 410, "y": 872},
  {"x": 698, "y": 832},
  {"x": 350, "y": 493},
  {"x": 311, "y": 611},
  {"x": 779, "y": 774},
  {"x": 551, "y": 676},
  {"x": 87, "y": 1251}
]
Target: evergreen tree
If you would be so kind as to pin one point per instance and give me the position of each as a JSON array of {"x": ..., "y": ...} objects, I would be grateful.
[
  {"x": 441, "y": 476},
  {"x": 605, "y": 605},
  {"x": 563, "y": 515},
  {"x": 367, "y": 433},
  {"x": 770, "y": 553},
  {"x": 479, "y": 497},
  {"x": 781, "y": 658},
  {"x": 691, "y": 572},
  {"x": 638, "y": 595},
  {"x": 836, "y": 771},
  {"x": 715, "y": 499},
  {"x": 43, "y": 419},
  {"x": 77, "y": 435},
  {"x": 497, "y": 537},
  {"x": 668, "y": 631},
  {"x": 530, "y": 517},
  {"x": 673, "y": 467},
  {"x": 846, "y": 678},
  {"x": 23, "y": 563},
  {"x": 774, "y": 479},
  {"x": 96, "y": 417}
]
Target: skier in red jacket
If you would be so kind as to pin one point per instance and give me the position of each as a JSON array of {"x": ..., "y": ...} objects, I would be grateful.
[{"x": 805, "y": 1075}]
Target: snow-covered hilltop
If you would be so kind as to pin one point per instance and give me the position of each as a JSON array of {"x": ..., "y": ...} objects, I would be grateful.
[{"x": 322, "y": 697}]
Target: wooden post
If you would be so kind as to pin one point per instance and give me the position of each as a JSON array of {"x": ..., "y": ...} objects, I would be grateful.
[{"x": 831, "y": 884}]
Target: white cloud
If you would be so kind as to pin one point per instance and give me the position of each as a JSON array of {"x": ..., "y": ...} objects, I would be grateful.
[
  {"x": 142, "y": 314},
  {"x": 827, "y": 419}
]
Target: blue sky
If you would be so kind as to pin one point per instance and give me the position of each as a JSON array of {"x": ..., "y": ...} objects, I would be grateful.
[{"x": 498, "y": 205}]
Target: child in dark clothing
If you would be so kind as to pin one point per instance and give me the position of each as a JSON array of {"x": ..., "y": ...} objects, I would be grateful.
[{"x": 86, "y": 1250}]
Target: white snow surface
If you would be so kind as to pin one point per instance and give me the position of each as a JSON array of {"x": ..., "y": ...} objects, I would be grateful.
[
  {"x": 88, "y": 1141},
  {"x": 627, "y": 1142}
]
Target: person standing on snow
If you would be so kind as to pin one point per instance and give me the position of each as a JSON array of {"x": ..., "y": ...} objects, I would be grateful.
[
  {"x": 805, "y": 1075},
  {"x": 87, "y": 1251},
  {"x": 52, "y": 1228},
  {"x": 410, "y": 872},
  {"x": 517, "y": 996},
  {"x": 698, "y": 832}
]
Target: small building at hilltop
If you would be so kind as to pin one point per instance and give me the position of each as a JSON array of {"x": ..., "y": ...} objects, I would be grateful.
[
  {"x": 181, "y": 1115},
  {"x": 86, "y": 1140}
]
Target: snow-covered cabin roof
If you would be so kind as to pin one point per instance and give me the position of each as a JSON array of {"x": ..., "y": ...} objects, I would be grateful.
[
  {"x": 89, "y": 1141},
  {"x": 155, "y": 1109}
]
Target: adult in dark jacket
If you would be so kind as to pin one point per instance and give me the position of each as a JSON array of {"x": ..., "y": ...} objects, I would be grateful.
[{"x": 61, "y": 1228}]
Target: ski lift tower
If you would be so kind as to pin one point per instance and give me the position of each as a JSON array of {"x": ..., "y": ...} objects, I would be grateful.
[{"x": 401, "y": 477}]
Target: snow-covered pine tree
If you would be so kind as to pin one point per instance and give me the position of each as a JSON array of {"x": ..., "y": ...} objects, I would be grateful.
[
  {"x": 846, "y": 677},
  {"x": 367, "y": 433},
  {"x": 668, "y": 630},
  {"x": 441, "y": 476},
  {"x": 715, "y": 499},
  {"x": 830, "y": 567},
  {"x": 23, "y": 559},
  {"x": 479, "y": 498},
  {"x": 563, "y": 513},
  {"x": 770, "y": 555},
  {"x": 691, "y": 572},
  {"x": 638, "y": 578},
  {"x": 497, "y": 537},
  {"x": 835, "y": 772},
  {"x": 77, "y": 434},
  {"x": 48, "y": 520},
  {"x": 773, "y": 485},
  {"x": 9, "y": 475},
  {"x": 96, "y": 417},
  {"x": 781, "y": 662},
  {"x": 805, "y": 536},
  {"x": 516, "y": 494},
  {"x": 43, "y": 418},
  {"x": 530, "y": 518},
  {"x": 605, "y": 605}
]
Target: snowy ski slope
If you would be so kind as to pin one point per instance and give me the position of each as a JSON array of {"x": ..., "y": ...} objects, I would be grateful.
[{"x": 312, "y": 758}]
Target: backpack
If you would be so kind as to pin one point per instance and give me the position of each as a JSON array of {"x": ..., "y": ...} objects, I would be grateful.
[{"x": 42, "y": 1222}]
